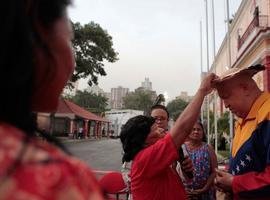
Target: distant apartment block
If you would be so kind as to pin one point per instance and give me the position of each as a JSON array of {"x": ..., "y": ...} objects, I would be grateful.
[
  {"x": 117, "y": 95},
  {"x": 108, "y": 95},
  {"x": 146, "y": 84},
  {"x": 152, "y": 93}
]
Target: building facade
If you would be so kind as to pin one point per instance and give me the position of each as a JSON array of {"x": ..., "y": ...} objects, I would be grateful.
[
  {"x": 146, "y": 84},
  {"x": 117, "y": 95},
  {"x": 247, "y": 42}
]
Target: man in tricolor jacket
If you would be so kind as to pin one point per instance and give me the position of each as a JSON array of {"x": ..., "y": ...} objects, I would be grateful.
[{"x": 249, "y": 171}]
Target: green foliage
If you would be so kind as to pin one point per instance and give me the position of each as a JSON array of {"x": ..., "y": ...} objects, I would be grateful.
[
  {"x": 92, "y": 47},
  {"x": 176, "y": 107},
  {"x": 223, "y": 123},
  {"x": 225, "y": 154},
  {"x": 92, "y": 102},
  {"x": 138, "y": 100}
]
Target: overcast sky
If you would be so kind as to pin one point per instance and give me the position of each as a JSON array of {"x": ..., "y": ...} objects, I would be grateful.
[{"x": 158, "y": 39}]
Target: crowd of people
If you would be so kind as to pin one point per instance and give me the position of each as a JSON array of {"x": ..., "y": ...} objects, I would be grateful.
[{"x": 37, "y": 55}]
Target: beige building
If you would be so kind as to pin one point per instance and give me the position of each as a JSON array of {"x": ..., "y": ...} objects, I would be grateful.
[
  {"x": 147, "y": 84},
  {"x": 184, "y": 96},
  {"x": 247, "y": 42},
  {"x": 117, "y": 95}
]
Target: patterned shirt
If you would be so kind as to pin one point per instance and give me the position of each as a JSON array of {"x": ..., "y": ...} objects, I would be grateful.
[
  {"x": 31, "y": 169},
  {"x": 202, "y": 169},
  {"x": 201, "y": 163}
]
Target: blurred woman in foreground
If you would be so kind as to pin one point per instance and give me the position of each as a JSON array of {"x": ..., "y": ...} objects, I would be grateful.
[{"x": 36, "y": 62}]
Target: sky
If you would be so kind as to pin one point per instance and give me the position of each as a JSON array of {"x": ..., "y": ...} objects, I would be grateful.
[{"x": 157, "y": 39}]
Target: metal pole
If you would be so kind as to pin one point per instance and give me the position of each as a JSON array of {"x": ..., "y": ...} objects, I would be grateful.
[
  {"x": 215, "y": 70},
  {"x": 202, "y": 108},
  {"x": 229, "y": 64},
  {"x": 207, "y": 59}
]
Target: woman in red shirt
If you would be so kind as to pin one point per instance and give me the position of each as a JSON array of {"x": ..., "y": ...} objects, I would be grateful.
[{"x": 152, "y": 152}]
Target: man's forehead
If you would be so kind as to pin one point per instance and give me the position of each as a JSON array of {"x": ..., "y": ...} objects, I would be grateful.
[
  {"x": 224, "y": 88},
  {"x": 158, "y": 111}
]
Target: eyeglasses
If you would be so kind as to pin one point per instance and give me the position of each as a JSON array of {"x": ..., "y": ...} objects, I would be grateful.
[{"x": 160, "y": 119}]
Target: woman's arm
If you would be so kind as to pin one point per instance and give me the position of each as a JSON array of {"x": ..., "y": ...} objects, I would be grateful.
[
  {"x": 189, "y": 116},
  {"x": 214, "y": 165}
]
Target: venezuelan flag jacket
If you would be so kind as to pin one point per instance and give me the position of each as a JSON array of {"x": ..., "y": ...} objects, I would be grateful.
[{"x": 250, "y": 160}]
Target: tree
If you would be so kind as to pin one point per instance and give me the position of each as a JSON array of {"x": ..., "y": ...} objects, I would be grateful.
[
  {"x": 176, "y": 107},
  {"x": 222, "y": 126},
  {"x": 223, "y": 123},
  {"x": 92, "y": 47},
  {"x": 138, "y": 100},
  {"x": 92, "y": 102}
]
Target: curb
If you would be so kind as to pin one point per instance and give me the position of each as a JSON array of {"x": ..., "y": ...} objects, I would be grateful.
[{"x": 69, "y": 140}]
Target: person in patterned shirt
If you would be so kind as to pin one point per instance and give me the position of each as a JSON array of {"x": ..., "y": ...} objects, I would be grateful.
[
  {"x": 204, "y": 161},
  {"x": 36, "y": 62}
]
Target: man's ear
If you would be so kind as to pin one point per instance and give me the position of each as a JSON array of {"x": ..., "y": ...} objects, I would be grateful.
[{"x": 246, "y": 88}]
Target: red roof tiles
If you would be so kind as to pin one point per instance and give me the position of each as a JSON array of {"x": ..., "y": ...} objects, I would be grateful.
[{"x": 68, "y": 107}]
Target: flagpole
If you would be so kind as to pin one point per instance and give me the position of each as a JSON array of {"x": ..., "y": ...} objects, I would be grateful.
[
  {"x": 215, "y": 71},
  {"x": 229, "y": 64},
  {"x": 207, "y": 60},
  {"x": 202, "y": 108}
]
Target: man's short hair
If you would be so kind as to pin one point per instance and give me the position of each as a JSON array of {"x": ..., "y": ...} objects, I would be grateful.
[{"x": 160, "y": 107}]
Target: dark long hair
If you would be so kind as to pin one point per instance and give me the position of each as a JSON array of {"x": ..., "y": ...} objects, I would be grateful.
[
  {"x": 134, "y": 134},
  {"x": 19, "y": 21},
  {"x": 204, "y": 135}
]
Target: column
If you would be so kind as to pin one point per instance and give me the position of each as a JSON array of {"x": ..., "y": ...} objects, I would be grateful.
[
  {"x": 85, "y": 128},
  {"x": 266, "y": 73}
]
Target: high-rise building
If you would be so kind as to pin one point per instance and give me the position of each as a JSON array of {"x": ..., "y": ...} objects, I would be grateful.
[
  {"x": 117, "y": 95},
  {"x": 146, "y": 84},
  {"x": 108, "y": 95}
]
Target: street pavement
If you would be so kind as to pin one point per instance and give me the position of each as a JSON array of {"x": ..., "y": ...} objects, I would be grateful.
[{"x": 101, "y": 155}]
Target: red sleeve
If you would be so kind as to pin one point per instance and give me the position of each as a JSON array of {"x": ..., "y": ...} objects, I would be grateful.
[
  {"x": 157, "y": 157},
  {"x": 252, "y": 183}
]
